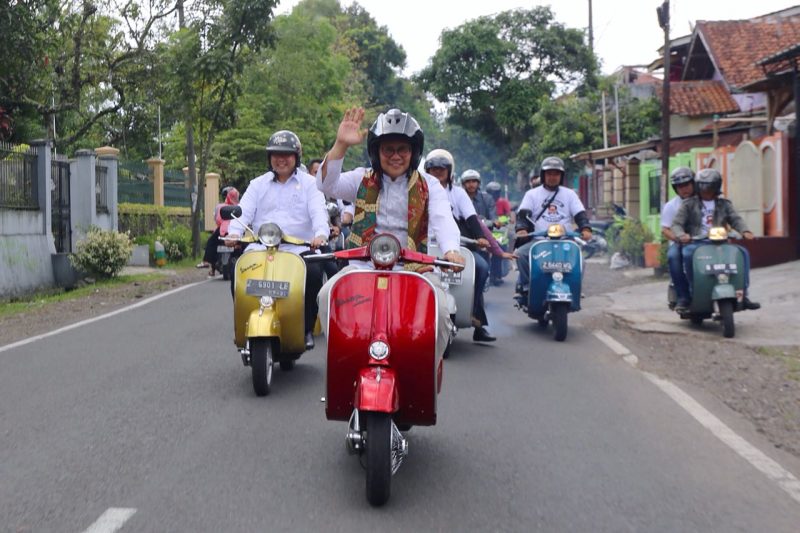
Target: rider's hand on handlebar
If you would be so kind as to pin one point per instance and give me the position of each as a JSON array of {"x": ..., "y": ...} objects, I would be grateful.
[
  {"x": 586, "y": 234},
  {"x": 335, "y": 231},
  {"x": 482, "y": 243},
  {"x": 522, "y": 233},
  {"x": 317, "y": 242},
  {"x": 683, "y": 239},
  {"x": 455, "y": 257},
  {"x": 509, "y": 255},
  {"x": 232, "y": 240},
  {"x": 748, "y": 235}
]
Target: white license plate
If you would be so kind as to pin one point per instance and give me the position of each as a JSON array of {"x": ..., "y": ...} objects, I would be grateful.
[
  {"x": 453, "y": 278},
  {"x": 722, "y": 268},
  {"x": 261, "y": 287}
]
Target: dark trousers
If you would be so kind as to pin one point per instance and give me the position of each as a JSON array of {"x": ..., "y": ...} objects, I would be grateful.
[
  {"x": 210, "y": 254},
  {"x": 481, "y": 274}
]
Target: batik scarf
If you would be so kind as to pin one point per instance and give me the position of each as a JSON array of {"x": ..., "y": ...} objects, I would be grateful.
[{"x": 365, "y": 219}]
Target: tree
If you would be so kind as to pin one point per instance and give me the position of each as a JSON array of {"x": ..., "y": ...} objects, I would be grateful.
[{"x": 497, "y": 71}]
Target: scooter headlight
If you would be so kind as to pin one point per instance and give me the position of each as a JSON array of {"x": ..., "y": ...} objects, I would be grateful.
[
  {"x": 384, "y": 250},
  {"x": 270, "y": 234},
  {"x": 722, "y": 278},
  {"x": 558, "y": 276},
  {"x": 266, "y": 302},
  {"x": 718, "y": 234},
  {"x": 379, "y": 350}
]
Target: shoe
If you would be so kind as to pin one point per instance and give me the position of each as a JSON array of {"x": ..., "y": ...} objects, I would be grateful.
[
  {"x": 481, "y": 335},
  {"x": 201, "y": 265},
  {"x": 309, "y": 341},
  {"x": 751, "y": 305},
  {"x": 682, "y": 306}
]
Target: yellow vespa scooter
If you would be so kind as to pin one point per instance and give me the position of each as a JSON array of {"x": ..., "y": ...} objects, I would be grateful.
[{"x": 268, "y": 303}]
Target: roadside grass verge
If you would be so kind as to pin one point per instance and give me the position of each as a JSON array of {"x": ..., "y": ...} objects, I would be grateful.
[{"x": 790, "y": 356}]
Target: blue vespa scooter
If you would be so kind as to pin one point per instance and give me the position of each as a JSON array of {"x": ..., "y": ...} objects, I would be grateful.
[{"x": 555, "y": 281}]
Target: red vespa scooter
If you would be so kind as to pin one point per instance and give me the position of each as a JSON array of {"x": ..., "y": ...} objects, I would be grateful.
[{"x": 384, "y": 368}]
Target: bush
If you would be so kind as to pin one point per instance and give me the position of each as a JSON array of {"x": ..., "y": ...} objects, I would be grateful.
[
  {"x": 102, "y": 253},
  {"x": 628, "y": 237},
  {"x": 142, "y": 220},
  {"x": 177, "y": 240}
]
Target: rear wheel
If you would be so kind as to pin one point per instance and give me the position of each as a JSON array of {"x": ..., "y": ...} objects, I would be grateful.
[
  {"x": 726, "y": 315},
  {"x": 261, "y": 364},
  {"x": 379, "y": 457},
  {"x": 559, "y": 312}
]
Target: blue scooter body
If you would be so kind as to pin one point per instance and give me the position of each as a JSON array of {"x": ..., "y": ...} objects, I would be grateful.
[{"x": 547, "y": 257}]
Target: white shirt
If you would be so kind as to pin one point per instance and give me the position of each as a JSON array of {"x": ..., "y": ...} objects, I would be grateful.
[
  {"x": 392, "y": 215},
  {"x": 669, "y": 210},
  {"x": 460, "y": 203},
  {"x": 561, "y": 210},
  {"x": 708, "y": 215},
  {"x": 296, "y": 206}
]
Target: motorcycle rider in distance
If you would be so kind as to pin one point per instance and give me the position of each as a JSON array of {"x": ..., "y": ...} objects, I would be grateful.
[
  {"x": 230, "y": 197},
  {"x": 391, "y": 197},
  {"x": 682, "y": 181},
  {"x": 696, "y": 216},
  {"x": 549, "y": 203},
  {"x": 483, "y": 202},
  {"x": 288, "y": 197},
  {"x": 504, "y": 216},
  {"x": 439, "y": 163}
]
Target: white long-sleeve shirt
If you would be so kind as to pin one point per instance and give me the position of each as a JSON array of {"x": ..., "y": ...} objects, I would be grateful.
[
  {"x": 297, "y": 206},
  {"x": 392, "y": 215},
  {"x": 461, "y": 203}
]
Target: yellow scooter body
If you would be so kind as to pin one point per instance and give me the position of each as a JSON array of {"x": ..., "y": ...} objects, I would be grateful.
[{"x": 285, "y": 319}]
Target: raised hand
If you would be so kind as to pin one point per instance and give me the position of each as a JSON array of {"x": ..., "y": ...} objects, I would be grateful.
[{"x": 350, "y": 131}]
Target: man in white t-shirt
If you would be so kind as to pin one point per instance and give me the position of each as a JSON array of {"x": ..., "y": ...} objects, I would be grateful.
[
  {"x": 682, "y": 181},
  {"x": 549, "y": 203}
]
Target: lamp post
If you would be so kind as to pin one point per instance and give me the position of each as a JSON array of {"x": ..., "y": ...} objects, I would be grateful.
[{"x": 663, "y": 21}]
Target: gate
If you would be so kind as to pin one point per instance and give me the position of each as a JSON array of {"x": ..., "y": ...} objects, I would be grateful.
[{"x": 62, "y": 230}]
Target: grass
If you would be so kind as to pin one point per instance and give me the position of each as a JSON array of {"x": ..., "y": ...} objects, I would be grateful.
[
  {"x": 789, "y": 356},
  {"x": 42, "y": 298}
]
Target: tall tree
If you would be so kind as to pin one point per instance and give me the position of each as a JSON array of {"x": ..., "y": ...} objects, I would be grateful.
[{"x": 497, "y": 71}]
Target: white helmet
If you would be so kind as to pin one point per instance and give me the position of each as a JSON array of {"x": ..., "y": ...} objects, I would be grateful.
[
  {"x": 471, "y": 174},
  {"x": 440, "y": 158}
]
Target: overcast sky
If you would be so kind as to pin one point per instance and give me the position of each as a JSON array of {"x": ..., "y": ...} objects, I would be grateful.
[{"x": 626, "y": 32}]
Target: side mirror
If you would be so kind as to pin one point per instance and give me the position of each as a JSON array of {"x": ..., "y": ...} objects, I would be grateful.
[{"x": 230, "y": 212}]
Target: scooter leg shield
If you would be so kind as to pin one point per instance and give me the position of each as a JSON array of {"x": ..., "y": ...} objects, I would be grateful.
[{"x": 376, "y": 390}]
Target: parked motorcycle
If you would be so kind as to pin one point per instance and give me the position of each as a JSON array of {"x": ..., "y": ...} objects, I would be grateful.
[
  {"x": 268, "y": 303},
  {"x": 555, "y": 278},
  {"x": 384, "y": 365},
  {"x": 223, "y": 262},
  {"x": 460, "y": 287},
  {"x": 717, "y": 282}
]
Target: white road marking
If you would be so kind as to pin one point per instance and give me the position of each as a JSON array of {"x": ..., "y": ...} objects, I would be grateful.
[
  {"x": 112, "y": 520},
  {"x": 97, "y": 318},
  {"x": 774, "y": 471}
]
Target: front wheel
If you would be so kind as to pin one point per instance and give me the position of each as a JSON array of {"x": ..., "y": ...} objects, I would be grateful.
[
  {"x": 379, "y": 457},
  {"x": 261, "y": 364},
  {"x": 726, "y": 315},
  {"x": 559, "y": 312}
]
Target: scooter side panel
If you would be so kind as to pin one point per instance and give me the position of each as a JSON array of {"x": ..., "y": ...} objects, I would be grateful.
[
  {"x": 411, "y": 335},
  {"x": 272, "y": 265},
  {"x": 548, "y": 253},
  {"x": 464, "y": 294},
  {"x": 703, "y": 282}
]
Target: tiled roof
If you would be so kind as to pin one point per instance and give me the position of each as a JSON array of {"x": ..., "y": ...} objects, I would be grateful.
[
  {"x": 699, "y": 98},
  {"x": 736, "y": 45}
]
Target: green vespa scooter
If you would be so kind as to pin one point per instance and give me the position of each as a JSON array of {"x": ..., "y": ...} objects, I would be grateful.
[{"x": 717, "y": 282}]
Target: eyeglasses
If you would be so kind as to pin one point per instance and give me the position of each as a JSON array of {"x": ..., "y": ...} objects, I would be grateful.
[{"x": 402, "y": 150}]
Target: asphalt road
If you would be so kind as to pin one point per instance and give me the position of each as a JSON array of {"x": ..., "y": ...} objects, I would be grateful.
[{"x": 152, "y": 410}]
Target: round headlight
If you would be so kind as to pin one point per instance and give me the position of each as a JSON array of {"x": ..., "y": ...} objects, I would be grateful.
[
  {"x": 379, "y": 350},
  {"x": 266, "y": 301},
  {"x": 270, "y": 234},
  {"x": 384, "y": 250},
  {"x": 558, "y": 276},
  {"x": 722, "y": 278}
]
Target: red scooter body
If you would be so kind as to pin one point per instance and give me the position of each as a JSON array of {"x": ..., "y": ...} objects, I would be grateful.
[{"x": 395, "y": 307}]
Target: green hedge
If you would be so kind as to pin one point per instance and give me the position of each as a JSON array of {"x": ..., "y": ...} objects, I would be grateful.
[{"x": 145, "y": 219}]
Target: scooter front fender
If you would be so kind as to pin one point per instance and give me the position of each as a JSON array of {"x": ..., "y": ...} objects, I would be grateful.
[
  {"x": 558, "y": 291},
  {"x": 723, "y": 291},
  {"x": 376, "y": 390},
  {"x": 263, "y": 324}
]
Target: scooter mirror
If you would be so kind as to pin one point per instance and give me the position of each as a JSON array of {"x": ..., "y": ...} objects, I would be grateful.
[{"x": 230, "y": 212}]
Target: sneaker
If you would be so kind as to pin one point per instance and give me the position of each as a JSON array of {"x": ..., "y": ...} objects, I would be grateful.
[
  {"x": 751, "y": 305},
  {"x": 202, "y": 264},
  {"x": 309, "y": 341}
]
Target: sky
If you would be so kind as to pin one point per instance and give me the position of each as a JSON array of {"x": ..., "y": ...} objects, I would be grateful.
[{"x": 626, "y": 32}]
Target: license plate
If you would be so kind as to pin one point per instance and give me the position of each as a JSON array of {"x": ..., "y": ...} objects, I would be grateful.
[
  {"x": 556, "y": 266},
  {"x": 261, "y": 287},
  {"x": 721, "y": 268},
  {"x": 453, "y": 278},
  {"x": 224, "y": 250}
]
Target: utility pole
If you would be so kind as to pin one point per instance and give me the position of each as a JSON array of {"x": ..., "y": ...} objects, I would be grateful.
[
  {"x": 591, "y": 29},
  {"x": 663, "y": 20},
  {"x": 616, "y": 110}
]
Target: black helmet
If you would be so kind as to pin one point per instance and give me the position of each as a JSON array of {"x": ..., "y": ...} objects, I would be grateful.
[
  {"x": 284, "y": 142},
  {"x": 395, "y": 124},
  {"x": 680, "y": 176},
  {"x": 493, "y": 186},
  {"x": 552, "y": 163},
  {"x": 709, "y": 178}
]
